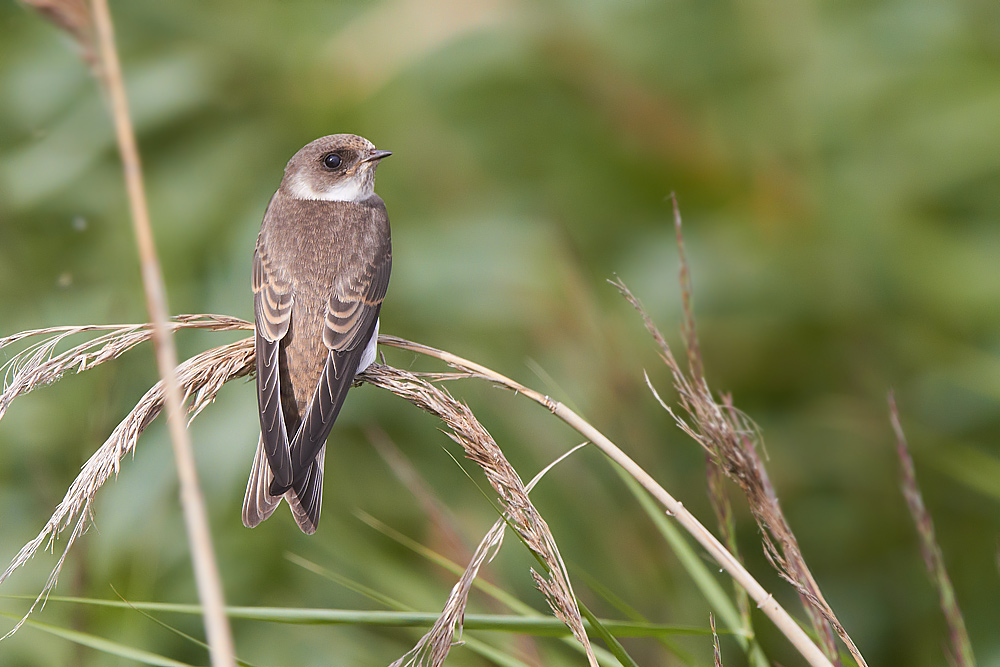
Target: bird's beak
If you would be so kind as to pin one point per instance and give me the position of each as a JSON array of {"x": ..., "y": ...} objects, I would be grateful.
[{"x": 375, "y": 155}]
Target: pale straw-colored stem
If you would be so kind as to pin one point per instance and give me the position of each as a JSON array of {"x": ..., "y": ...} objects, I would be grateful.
[
  {"x": 195, "y": 517},
  {"x": 765, "y": 601}
]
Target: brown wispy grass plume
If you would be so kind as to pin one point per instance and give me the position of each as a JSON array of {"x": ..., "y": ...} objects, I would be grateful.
[
  {"x": 519, "y": 514},
  {"x": 731, "y": 441},
  {"x": 200, "y": 379}
]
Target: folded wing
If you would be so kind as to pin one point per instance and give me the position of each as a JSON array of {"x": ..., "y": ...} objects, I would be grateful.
[
  {"x": 352, "y": 312},
  {"x": 272, "y": 313}
]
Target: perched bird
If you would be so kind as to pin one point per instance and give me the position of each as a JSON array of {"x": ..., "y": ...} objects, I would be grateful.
[{"x": 320, "y": 272}]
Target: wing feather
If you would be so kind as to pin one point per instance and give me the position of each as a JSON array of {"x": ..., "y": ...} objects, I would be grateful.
[
  {"x": 351, "y": 317},
  {"x": 272, "y": 297}
]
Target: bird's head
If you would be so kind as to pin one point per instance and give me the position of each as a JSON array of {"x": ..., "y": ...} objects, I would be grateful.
[{"x": 339, "y": 167}]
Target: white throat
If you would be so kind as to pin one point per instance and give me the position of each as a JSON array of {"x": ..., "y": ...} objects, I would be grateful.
[{"x": 355, "y": 189}]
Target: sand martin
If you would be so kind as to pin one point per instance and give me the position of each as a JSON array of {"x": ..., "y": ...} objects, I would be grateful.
[{"x": 320, "y": 272}]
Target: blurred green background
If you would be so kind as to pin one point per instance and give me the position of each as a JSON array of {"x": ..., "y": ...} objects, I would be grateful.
[{"x": 838, "y": 169}]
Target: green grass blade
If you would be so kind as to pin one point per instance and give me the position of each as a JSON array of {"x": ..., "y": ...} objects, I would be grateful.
[
  {"x": 543, "y": 626},
  {"x": 103, "y": 645},
  {"x": 609, "y": 639}
]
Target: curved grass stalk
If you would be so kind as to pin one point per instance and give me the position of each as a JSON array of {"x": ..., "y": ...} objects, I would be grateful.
[{"x": 764, "y": 600}]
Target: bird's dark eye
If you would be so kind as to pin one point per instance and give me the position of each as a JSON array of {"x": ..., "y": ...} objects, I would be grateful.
[{"x": 332, "y": 161}]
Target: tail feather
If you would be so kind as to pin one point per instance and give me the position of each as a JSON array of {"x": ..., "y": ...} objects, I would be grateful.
[
  {"x": 305, "y": 498},
  {"x": 258, "y": 504}
]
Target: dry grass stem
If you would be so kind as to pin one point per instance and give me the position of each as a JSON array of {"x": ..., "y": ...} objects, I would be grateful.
[
  {"x": 731, "y": 439},
  {"x": 481, "y": 449},
  {"x": 90, "y": 24},
  {"x": 40, "y": 364},
  {"x": 961, "y": 647}
]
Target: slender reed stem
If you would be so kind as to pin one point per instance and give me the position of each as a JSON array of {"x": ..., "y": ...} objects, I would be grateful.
[{"x": 196, "y": 518}]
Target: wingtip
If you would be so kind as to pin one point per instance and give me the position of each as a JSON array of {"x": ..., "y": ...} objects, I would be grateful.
[
  {"x": 258, "y": 503},
  {"x": 307, "y": 521},
  {"x": 306, "y": 526}
]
